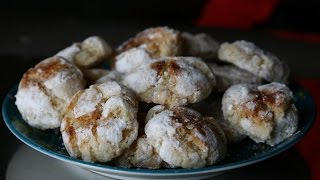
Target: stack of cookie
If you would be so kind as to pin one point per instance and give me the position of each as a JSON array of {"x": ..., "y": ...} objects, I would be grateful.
[{"x": 172, "y": 99}]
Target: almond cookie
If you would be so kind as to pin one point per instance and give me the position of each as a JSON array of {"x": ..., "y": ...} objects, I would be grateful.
[
  {"x": 100, "y": 122},
  {"x": 88, "y": 53},
  {"x": 157, "y": 41},
  {"x": 183, "y": 138},
  {"x": 265, "y": 113},
  {"x": 45, "y": 90},
  {"x": 199, "y": 45},
  {"x": 140, "y": 154},
  {"x": 228, "y": 75},
  {"x": 253, "y": 59},
  {"x": 172, "y": 81}
]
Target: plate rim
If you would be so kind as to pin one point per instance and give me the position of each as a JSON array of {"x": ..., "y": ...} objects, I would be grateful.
[{"x": 158, "y": 172}]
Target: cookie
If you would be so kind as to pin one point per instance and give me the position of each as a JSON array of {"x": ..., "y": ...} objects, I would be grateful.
[
  {"x": 100, "y": 122},
  {"x": 183, "y": 138},
  {"x": 45, "y": 90},
  {"x": 92, "y": 51},
  {"x": 158, "y": 42},
  {"x": 172, "y": 81},
  {"x": 253, "y": 59},
  {"x": 265, "y": 113},
  {"x": 199, "y": 45}
]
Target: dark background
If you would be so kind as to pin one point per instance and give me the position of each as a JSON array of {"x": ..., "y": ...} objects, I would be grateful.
[{"x": 294, "y": 15}]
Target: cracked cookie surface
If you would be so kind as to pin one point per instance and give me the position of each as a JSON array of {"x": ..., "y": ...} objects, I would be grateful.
[
  {"x": 265, "y": 113},
  {"x": 100, "y": 122},
  {"x": 45, "y": 90},
  {"x": 158, "y": 42},
  {"x": 184, "y": 138},
  {"x": 172, "y": 81}
]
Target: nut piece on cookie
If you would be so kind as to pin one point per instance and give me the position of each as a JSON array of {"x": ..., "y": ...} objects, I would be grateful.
[
  {"x": 172, "y": 81},
  {"x": 212, "y": 107},
  {"x": 200, "y": 45},
  {"x": 100, "y": 122},
  {"x": 265, "y": 113},
  {"x": 253, "y": 59},
  {"x": 141, "y": 155},
  {"x": 92, "y": 51},
  {"x": 228, "y": 75},
  {"x": 157, "y": 41},
  {"x": 184, "y": 138},
  {"x": 45, "y": 90}
]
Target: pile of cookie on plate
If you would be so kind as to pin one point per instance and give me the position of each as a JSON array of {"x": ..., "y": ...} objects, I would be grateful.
[{"x": 171, "y": 99}]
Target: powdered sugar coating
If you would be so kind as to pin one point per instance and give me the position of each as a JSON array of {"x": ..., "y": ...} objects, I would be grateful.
[
  {"x": 34, "y": 106},
  {"x": 183, "y": 138},
  {"x": 100, "y": 122},
  {"x": 157, "y": 41},
  {"x": 65, "y": 84},
  {"x": 141, "y": 80},
  {"x": 199, "y": 45},
  {"x": 253, "y": 59},
  {"x": 45, "y": 90},
  {"x": 140, "y": 154},
  {"x": 110, "y": 76},
  {"x": 228, "y": 75},
  {"x": 87, "y": 102},
  {"x": 131, "y": 59},
  {"x": 70, "y": 52},
  {"x": 93, "y": 50},
  {"x": 265, "y": 113},
  {"x": 172, "y": 81}
]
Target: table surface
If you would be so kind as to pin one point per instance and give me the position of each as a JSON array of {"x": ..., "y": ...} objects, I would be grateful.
[
  {"x": 288, "y": 165},
  {"x": 26, "y": 41}
]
